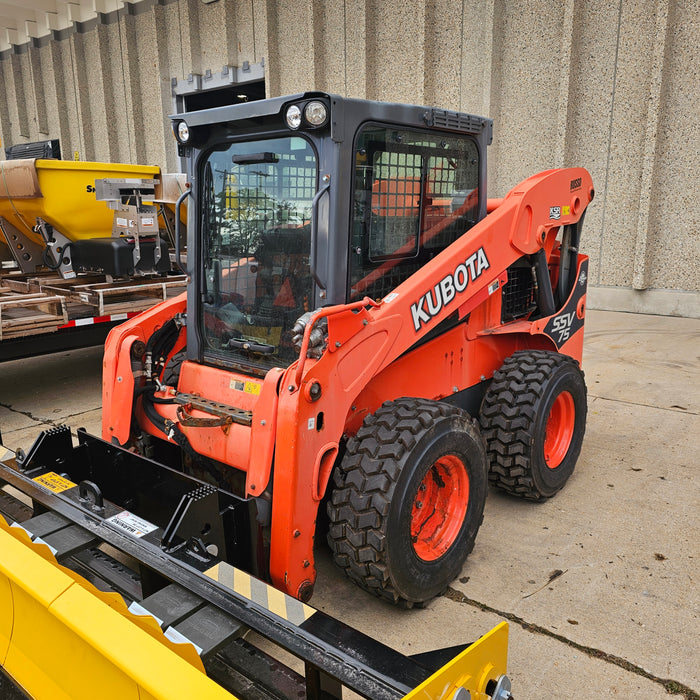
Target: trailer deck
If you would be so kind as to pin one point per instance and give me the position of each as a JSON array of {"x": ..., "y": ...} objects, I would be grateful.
[{"x": 41, "y": 312}]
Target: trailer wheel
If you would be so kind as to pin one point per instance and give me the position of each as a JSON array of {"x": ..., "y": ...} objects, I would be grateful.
[
  {"x": 533, "y": 418},
  {"x": 408, "y": 499}
]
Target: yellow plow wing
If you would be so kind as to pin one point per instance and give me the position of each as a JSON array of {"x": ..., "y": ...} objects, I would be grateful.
[{"x": 61, "y": 640}]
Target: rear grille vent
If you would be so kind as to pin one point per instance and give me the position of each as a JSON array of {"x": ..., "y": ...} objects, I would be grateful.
[
  {"x": 38, "y": 149},
  {"x": 455, "y": 121},
  {"x": 518, "y": 298}
]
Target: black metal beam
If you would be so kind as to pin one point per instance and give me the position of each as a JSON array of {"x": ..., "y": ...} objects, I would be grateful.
[{"x": 355, "y": 660}]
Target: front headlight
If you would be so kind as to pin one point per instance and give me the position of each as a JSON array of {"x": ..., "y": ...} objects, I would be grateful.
[
  {"x": 182, "y": 132},
  {"x": 293, "y": 117},
  {"x": 316, "y": 113}
]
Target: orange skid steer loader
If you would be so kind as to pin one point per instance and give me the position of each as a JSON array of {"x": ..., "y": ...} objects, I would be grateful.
[{"x": 366, "y": 341}]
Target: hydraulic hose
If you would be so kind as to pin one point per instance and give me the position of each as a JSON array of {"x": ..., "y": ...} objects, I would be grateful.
[
  {"x": 48, "y": 263},
  {"x": 172, "y": 430},
  {"x": 160, "y": 344}
]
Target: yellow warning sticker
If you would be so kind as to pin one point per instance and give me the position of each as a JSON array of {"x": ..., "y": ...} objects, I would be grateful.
[
  {"x": 252, "y": 388},
  {"x": 54, "y": 482},
  {"x": 566, "y": 211}
]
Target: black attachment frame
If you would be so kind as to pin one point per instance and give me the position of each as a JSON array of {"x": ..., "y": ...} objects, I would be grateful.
[{"x": 334, "y": 654}]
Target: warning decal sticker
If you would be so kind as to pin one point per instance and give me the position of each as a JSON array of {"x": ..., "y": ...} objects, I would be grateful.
[
  {"x": 138, "y": 527},
  {"x": 252, "y": 388},
  {"x": 54, "y": 482}
]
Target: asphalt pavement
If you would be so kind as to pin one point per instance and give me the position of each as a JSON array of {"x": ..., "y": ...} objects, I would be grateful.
[{"x": 600, "y": 584}]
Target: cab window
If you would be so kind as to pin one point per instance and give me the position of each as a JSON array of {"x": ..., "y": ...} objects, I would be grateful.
[
  {"x": 256, "y": 210},
  {"x": 414, "y": 194}
]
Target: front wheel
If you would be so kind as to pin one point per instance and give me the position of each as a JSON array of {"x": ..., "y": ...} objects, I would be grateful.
[
  {"x": 408, "y": 499},
  {"x": 533, "y": 418}
]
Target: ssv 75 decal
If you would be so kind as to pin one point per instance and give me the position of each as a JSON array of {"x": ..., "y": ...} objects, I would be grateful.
[{"x": 444, "y": 292}]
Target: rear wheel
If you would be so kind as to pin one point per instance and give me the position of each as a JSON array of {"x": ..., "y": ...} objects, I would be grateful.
[
  {"x": 408, "y": 499},
  {"x": 533, "y": 418}
]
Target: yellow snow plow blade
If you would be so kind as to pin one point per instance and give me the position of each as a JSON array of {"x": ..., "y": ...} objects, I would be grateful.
[
  {"x": 471, "y": 670},
  {"x": 59, "y": 640},
  {"x": 63, "y": 639},
  {"x": 61, "y": 192}
]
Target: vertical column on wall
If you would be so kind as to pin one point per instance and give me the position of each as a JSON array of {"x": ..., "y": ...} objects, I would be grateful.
[
  {"x": 8, "y": 107},
  {"x": 14, "y": 86},
  {"x": 38, "y": 88},
  {"x": 672, "y": 245},
  {"x": 329, "y": 37},
  {"x": 444, "y": 30},
  {"x": 395, "y": 75},
  {"x": 66, "y": 106},
  {"x": 153, "y": 82},
  {"x": 5, "y": 125},
  {"x": 494, "y": 99},
  {"x": 165, "y": 151},
  {"x": 168, "y": 21},
  {"x": 118, "y": 120},
  {"x": 131, "y": 76},
  {"x": 290, "y": 41},
  {"x": 273, "y": 73},
  {"x": 592, "y": 81},
  {"x": 217, "y": 35},
  {"x": 81, "y": 89},
  {"x": 47, "y": 96},
  {"x": 476, "y": 56},
  {"x": 242, "y": 46},
  {"x": 260, "y": 34},
  {"x": 144, "y": 58},
  {"x": 357, "y": 59},
  {"x": 526, "y": 88},
  {"x": 640, "y": 276},
  {"x": 95, "y": 88},
  {"x": 562, "y": 113},
  {"x": 189, "y": 36},
  {"x": 632, "y": 141}
]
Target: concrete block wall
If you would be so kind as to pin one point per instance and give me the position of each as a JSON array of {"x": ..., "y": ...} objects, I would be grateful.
[{"x": 612, "y": 86}]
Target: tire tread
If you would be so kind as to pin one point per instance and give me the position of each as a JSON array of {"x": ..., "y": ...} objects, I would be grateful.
[
  {"x": 364, "y": 484},
  {"x": 508, "y": 414}
]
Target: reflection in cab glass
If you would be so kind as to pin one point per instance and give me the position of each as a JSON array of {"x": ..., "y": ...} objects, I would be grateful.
[{"x": 256, "y": 227}]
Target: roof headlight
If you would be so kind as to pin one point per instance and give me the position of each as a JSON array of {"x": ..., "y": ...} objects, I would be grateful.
[
  {"x": 293, "y": 117},
  {"x": 182, "y": 132},
  {"x": 316, "y": 113}
]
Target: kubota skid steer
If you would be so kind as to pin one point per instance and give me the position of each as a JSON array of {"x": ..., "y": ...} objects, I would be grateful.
[{"x": 362, "y": 328}]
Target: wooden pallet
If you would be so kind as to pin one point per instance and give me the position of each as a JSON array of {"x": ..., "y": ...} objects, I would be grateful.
[
  {"x": 35, "y": 282},
  {"x": 120, "y": 297},
  {"x": 95, "y": 292},
  {"x": 30, "y": 314}
]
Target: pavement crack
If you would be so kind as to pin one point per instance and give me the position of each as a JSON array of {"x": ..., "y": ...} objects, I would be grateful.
[
  {"x": 672, "y": 409},
  {"x": 26, "y": 414},
  {"x": 670, "y": 686}
]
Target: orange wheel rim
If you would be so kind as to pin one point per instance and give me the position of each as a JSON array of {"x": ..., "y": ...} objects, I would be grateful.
[
  {"x": 439, "y": 508},
  {"x": 560, "y": 429}
]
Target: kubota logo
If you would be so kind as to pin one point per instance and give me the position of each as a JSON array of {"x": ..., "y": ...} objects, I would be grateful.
[{"x": 432, "y": 302}]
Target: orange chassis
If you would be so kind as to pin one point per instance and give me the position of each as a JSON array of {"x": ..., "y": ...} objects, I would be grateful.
[{"x": 301, "y": 414}]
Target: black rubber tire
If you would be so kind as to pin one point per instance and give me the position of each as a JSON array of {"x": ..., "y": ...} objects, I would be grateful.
[
  {"x": 514, "y": 416},
  {"x": 375, "y": 492},
  {"x": 171, "y": 373}
]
